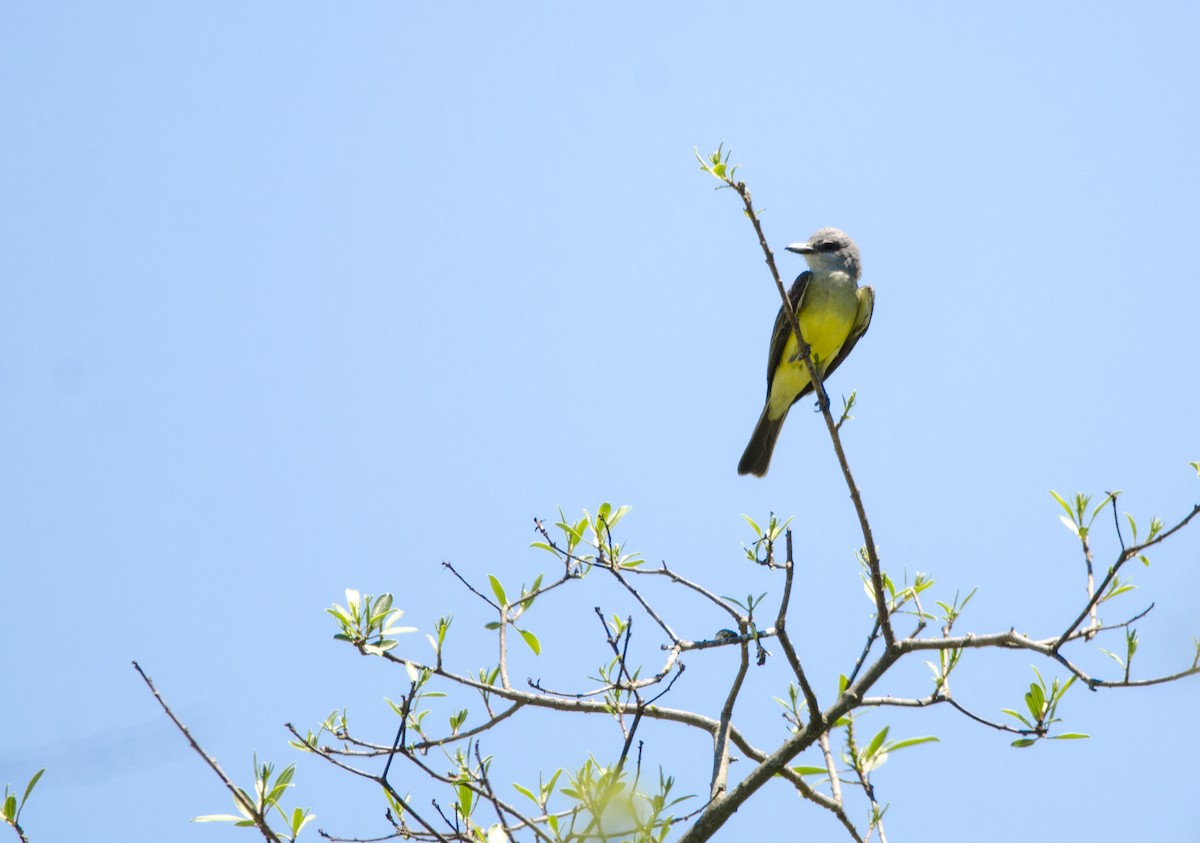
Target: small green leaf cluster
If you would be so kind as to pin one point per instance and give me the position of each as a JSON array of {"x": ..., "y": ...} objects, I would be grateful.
[
  {"x": 847, "y": 405},
  {"x": 335, "y": 724},
  {"x": 864, "y": 761},
  {"x": 1077, "y": 511},
  {"x": 717, "y": 163},
  {"x": 594, "y": 533},
  {"x": 1079, "y": 522},
  {"x": 1131, "y": 645},
  {"x": 762, "y": 549},
  {"x": 254, "y": 810},
  {"x": 468, "y": 779},
  {"x": 948, "y": 657},
  {"x": 407, "y": 710},
  {"x": 1156, "y": 527},
  {"x": 1041, "y": 701},
  {"x": 368, "y": 623},
  {"x": 511, "y": 612},
  {"x": 897, "y": 597},
  {"x": 12, "y": 808},
  {"x": 616, "y": 676},
  {"x": 861, "y": 760},
  {"x": 602, "y": 804},
  {"x": 606, "y": 806}
]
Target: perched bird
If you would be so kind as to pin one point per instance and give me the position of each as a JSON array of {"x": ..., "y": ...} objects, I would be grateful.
[{"x": 833, "y": 312}]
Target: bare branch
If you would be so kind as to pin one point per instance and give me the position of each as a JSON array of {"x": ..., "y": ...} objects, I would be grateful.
[
  {"x": 789, "y": 651},
  {"x": 720, "y": 777},
  {"x": 260, "y": 821}
]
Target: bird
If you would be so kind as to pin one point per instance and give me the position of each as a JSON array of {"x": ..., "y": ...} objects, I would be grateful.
[{"x": 833, "y": 312}]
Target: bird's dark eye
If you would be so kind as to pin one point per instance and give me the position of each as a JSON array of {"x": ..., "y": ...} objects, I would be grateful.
[{"x": 828, "y": 246}]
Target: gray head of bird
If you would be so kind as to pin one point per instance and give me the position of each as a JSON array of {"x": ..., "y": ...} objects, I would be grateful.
[{"x": 829, "y": 250}]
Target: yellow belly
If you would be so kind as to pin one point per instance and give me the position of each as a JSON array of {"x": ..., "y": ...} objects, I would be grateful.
[{"x": 826, "y": 317}]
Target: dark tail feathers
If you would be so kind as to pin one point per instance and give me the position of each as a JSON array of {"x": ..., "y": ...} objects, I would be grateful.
[{"x": 757, "y": 457}]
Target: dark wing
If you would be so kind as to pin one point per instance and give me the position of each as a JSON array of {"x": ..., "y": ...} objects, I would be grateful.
[
  {"x": 866, "y": 305},
  {"x": 779, "y": 336}
]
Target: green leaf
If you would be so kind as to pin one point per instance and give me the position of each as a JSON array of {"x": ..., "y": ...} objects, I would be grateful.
[
  {"x": 10, "y": 807},
  {"x": 29, "y": 787},
  {"x": 1063, "y": 690},
  {"x": 339, "y": 613},
  {"x": 1035, "y": 700},
  {"x": 466, "y": 799},
  {"x": 217, "y": 818},
  {"x": 1012, "y": 713},
  {"x": 876, "y": 742},
  {"x": 1111, "y": 496},
  {"x": 527, "y": 793},
  {"x": 390, "y": 629},
  {"x": 892, "y": 747},
  {"x": 1023, "y": 742},
  {"x": 1070, "y": 512},
  {"x": 753, "y": 526},
  {"x": 868, "y": 589},
  {"x": 810, "y": 771},
  {"x": 1069, "y": 736},
  {"x": 498, "y": 590},
  {"x": 300, "y": 818},
  {"x": 532, "y": 641}
]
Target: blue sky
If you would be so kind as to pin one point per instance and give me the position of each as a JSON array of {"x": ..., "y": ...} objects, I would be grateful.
[{"x": 302, "y": 296}]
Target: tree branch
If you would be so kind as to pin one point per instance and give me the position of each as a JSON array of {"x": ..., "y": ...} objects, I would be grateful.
[{"x": 251, "y": 810}]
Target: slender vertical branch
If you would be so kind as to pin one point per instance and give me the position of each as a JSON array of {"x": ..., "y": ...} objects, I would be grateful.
[
  {"x": 720, "y": 779},
  {"x": 835, "y": 784},
  {"x": 1091, "y": 585},
  {"x": 875, "y": 569},
  {"x": 785, "y": 641}
]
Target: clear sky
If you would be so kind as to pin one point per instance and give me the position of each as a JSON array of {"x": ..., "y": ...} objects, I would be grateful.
[{"x": 302, "y": 296}]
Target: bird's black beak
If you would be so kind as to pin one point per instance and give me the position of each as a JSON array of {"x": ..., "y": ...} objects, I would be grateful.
[{"x": 800, "y": 248}]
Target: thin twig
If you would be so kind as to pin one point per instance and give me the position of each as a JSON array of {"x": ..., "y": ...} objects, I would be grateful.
[
  {"x": 720, "y": 778},
  {"x": 835, "y": 785},
  {"x": 785, "y": 641},
  {"x": 866, "y": 651},
  {"x": 649, "y": 610},
  {"x": 260, "y": 821}
]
